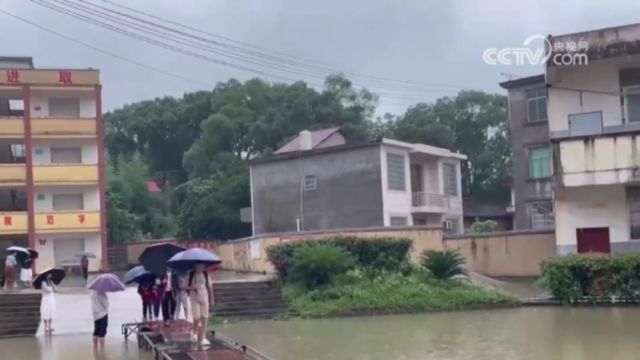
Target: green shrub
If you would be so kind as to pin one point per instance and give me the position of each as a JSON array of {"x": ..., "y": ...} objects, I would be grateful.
[
  {"x": 380, "y": 254},
  {"x": 483, "y": 226},
  {"x": 315, "y": 264},
  {"x": 570, "y": 277},
  {"x": 443, "y": 264}
]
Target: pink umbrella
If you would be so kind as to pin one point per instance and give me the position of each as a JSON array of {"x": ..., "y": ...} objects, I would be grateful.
[{"x": 106, "y": 283}]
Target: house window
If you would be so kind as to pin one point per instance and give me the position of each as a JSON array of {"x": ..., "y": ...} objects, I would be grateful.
[
  {"x": 450, "y": 179},
  {"x": 632, "y": 103},
  {"x": 67, "y": 202},
  {"x": 64, "y": 107},
  {"x": 537, "y": 105},
  {"x": 398, "y": 221},
  {"x": 542, "y": 216},
  {"x": 395, "y": 172},
  {"x": 451, "y": 226},
  {"x": 310, "y": 183},
  {"x": 633, "y": 200},
  {"x": 540, "y": 162},
  {"x": 66, "y": 155}
]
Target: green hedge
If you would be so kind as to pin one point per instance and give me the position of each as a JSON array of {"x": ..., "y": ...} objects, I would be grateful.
[
  {"x": 389, "y": 254},
  {"x": 570, "y": 277}
]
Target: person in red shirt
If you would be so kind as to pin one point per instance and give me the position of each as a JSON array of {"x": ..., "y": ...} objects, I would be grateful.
[
  {"x": 156, "y": 299},
  {"x": 144, "y": 290}
]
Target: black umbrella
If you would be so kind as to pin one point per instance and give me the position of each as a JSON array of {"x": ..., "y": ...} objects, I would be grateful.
[
  {"x": 57, "y": 274},
  {"x": 139, "y": 275},
  {"x": 32, "y": 253},
  {"x": 154, "y": 258}
]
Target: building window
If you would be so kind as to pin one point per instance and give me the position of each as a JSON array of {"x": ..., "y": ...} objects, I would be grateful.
[
  {"x": 64, "y": 107},
  {"x": 398, "y": 221},
  {"x": 632, "y": 103},
  {"x": 633, "y": 200},
  {"x": 540, "y": 162},
  {"x": 395, "y": 172},
  {"x": 66, "y": 155},
  {"x": 310, "y": 182},
  {"x": 67, "y": 202},
  {"x": 537, "y": 105},
  {"x": 451, "y": 226},
  {"x": 542, "y": 216},
  {"x": 450, "y": 179}
]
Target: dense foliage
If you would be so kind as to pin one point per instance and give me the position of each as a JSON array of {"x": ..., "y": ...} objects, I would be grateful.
[
  {"x": 315, "y": 264},
  {"x": 444, "y": 264},
  {"x": 485, "y": 226},
  {"x": 196, "y": 146},
  {"x": 358, "y": 294},
  {"x": 570, "y": 277},
  {"x": 379, "y": 254}
]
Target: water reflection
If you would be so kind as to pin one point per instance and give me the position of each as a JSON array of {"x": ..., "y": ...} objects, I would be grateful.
[{"x": 516, "y": 334}]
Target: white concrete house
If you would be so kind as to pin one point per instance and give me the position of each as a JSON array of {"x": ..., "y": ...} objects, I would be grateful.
[{"x": 594, "y": 123}]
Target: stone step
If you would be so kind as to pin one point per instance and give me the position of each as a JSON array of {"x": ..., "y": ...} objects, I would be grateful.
[
  {"x": 250, "y": 312},
  {"x": 271, "y": 305},
  {"x": 241, "y": 297}
]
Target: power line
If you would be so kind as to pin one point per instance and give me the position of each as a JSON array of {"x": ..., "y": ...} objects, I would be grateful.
[
  {"x": 302, "y": 61},
  {"x": 95, "y": 48},
  {"x": 176, "y": 48}
]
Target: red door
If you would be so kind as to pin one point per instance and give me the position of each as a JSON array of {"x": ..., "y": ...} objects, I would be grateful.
[{"x": 593, "y": 240}]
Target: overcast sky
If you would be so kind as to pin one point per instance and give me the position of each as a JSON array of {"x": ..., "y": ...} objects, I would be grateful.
[{"x": 431, "y": 42}]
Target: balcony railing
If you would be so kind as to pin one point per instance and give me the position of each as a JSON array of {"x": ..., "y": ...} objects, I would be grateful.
[
  {"x": 68, "y": 221},
  {"x": 79, "y": 174},
  {"x": 63, "y": 128},
  {"x": 11, "y": 127},
  {"x": 426, "y": 199},
  {"x": 13, "y": 174},
  {"x": 13, "y": 223}
]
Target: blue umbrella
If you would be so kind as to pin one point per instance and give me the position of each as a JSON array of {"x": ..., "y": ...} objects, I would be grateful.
[
  {"x": 138, "y": 275},
  {"x": 188, "y": 258},
  {"x": 106, "y": 283}
]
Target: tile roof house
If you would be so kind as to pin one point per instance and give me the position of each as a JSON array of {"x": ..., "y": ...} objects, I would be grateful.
[{"x": 317, "y": 139}]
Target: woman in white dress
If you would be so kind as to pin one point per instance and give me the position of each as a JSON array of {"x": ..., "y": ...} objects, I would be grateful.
[
  {"x": 26, "y": 275},
  {"x": 48, "y": 304}
]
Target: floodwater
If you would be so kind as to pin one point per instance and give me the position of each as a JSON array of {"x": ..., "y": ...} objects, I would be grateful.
[
  {"x": 73, "y": 325},
  {"x": 512, "y": 334}
]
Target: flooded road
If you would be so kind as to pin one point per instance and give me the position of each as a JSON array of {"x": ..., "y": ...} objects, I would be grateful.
[
  {"x": 513, "y": 334},
  {"x": 73, "y": 326}
]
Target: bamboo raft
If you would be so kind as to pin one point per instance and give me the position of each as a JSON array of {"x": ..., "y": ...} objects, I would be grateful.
[{"x": 174, "y": 342}]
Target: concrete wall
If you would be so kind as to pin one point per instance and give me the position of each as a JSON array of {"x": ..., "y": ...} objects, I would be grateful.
[
  {"x": 395, "y": 202},
  {"x": 42, "y": 150},
  {"x": 588, "y": 207},
  {"x": 512, "y": 253},
  {"x": 347, "y": 194},
  {"x": 250, "y": 254},
  {"x": 525, "y": 134}
]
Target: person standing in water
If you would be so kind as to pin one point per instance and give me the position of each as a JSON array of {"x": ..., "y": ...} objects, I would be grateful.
[
  {"x": 100, "y": 309},
  {"x": 201, "y": 296},
  {"x": 47, "y": 304}
]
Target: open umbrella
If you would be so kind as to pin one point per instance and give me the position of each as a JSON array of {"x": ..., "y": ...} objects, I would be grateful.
[
  {"x": 32, "y": 253},
  {"x": 139, "y": 275},
  {"x": 86, "y": 254},
  {"x": 189, "y": 258},
  {"x": 18, "y": 249},
  {"x": 57, "y": 274},
  {"x": 106, "y": 283},
  {"x": 154, "y": 257}
]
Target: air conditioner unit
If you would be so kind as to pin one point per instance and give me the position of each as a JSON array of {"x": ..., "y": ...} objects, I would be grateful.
[{"x": 448, "y": 224}]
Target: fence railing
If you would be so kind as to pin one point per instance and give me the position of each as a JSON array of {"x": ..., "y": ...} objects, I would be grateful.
[{"x": 435, "y": 200}]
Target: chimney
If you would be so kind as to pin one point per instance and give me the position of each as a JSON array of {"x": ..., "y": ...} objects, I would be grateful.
[{"x": 305, "y": 140}]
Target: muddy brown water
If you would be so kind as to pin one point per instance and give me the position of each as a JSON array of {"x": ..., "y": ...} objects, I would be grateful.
[{"x": 513, "y": 334}]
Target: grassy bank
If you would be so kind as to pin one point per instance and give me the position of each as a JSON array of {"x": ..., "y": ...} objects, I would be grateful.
[{"x": 358, "y": 294}]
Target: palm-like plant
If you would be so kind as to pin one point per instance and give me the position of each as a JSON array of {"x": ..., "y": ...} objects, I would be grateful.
[{"x": 443, "y": 264}]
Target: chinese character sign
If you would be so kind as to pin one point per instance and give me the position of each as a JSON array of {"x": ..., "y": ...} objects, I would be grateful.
[
  {"x": 13, "y": 76},
  {"x": 49, "y": 219},
  {"x": 65, "y": 77},
  {"x": 81, "y": 218},
  {"x": 7, "y": 221}
]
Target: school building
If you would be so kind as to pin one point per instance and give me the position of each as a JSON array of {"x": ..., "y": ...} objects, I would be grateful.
[{"x": 51, "y": 162}]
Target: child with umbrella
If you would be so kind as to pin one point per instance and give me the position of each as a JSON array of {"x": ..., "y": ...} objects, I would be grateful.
[{"x": 45, "y": 281}]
